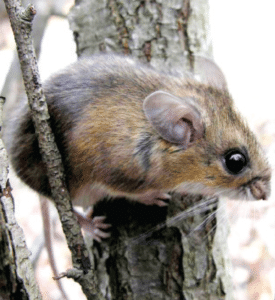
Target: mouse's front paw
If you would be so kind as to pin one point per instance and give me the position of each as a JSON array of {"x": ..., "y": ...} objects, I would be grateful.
[
  {"x": 93, "y": 225},
  {"x": 154, "y": 198}
]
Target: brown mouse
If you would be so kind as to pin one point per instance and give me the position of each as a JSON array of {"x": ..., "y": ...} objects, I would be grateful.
[{"x": 125, "y": 129}]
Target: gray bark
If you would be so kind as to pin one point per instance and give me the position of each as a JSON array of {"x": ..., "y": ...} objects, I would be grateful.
[
  {"x": 188, "y": 258},
  {"x": 16, "y": 273},
  {"x": 13, "y": 88}
]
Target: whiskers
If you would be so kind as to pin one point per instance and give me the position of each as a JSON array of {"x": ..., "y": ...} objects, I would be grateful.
[
  {"x": 176, "y": 220},
  {"x": 199, "y": 208},
  {"x": 207, "y": 215}
]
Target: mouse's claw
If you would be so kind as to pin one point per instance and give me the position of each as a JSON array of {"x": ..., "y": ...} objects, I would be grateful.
[
  {"x": 154, "y": 198},
  {"x": 93, "y": 225}
]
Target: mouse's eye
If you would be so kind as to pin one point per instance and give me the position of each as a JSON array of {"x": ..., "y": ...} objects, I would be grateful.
[{"x": 235, "y": 161}]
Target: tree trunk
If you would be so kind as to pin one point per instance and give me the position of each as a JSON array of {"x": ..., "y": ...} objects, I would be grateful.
[{"x": 144, "y": 259}]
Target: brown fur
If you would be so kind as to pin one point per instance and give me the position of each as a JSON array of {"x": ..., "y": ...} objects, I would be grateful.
[{"x": 105, "y": 139}]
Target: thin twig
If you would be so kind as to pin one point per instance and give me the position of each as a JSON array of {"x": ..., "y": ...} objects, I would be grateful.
[
  {"x": 21, "y": 22},
  {"x": 46, "y": 219}
]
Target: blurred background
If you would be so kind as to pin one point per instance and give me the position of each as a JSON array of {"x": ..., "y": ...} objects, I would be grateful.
[{"x": 243, "y": 46}]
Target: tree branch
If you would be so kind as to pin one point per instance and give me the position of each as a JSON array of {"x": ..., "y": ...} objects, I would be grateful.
[
  {"x": 17, "y": 278},
  {"x": 21, "y": 22}
]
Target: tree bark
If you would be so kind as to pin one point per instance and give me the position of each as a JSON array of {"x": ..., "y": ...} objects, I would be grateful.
[
  {"x": 186, "y": 258},
  {"x": 17, "y": 279},
  {"x": 13, "y": 88}
]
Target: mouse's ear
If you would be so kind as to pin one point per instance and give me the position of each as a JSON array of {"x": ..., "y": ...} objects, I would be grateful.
[
  {"x": 206, "y": 71},
  {"x": 175, "y": 119}
]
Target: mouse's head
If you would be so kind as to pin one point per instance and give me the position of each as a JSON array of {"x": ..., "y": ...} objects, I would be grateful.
[{"x": 209, "y": 147}]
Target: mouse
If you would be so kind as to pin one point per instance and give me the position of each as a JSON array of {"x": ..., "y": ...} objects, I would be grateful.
[{"x": 125, "y": 129}]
